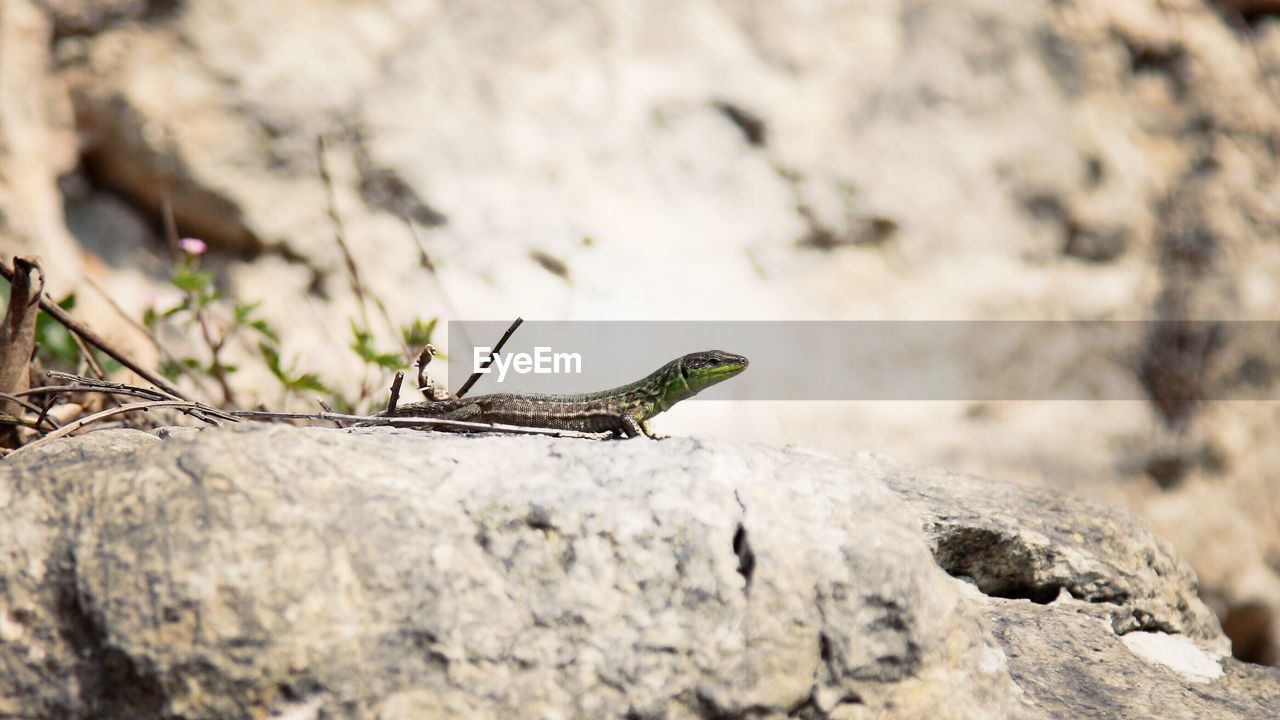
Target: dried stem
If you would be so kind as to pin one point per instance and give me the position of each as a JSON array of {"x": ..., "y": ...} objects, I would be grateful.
[
  {"x": 40, "y": 412},
  {"x": 489, "y": 360},
  {"x": 93, "y": 339},
  {"x": 84, "y": 384},
  {"x": 7, "y": 420},
  {"x": 73, "y": 426},
  {"x": 216, "y": 368},
  {"x": 339, "y": 231},
  {"x": 363, "y": 296},
  {"x": 18, "y": 335},
  {"x": 427, "y": 264},
  {"x": 395, "y": 393},
  {"x": 89, "y": 359}
]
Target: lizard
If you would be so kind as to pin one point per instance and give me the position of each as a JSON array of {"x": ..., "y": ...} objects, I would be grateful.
[{"x": 624, "y": 410}]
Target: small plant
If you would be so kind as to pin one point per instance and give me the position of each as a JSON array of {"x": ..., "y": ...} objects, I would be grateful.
[
  {"x": 418, "y": 334},
  {"x": 290, "y": 378},
  {"x": 377, "y": 362},
  {"x": 203, "y": 306},
  {"x": 362, "y": 344}
]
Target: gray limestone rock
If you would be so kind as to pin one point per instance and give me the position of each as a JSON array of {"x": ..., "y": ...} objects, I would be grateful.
[{"x": 268, "y": 571}]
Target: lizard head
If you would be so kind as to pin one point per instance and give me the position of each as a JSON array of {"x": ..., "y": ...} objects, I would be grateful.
[{"x": 701, "y": 370}]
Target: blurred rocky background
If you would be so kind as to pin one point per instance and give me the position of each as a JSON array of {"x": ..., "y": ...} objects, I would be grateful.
[{"x": 807, "y": 159}]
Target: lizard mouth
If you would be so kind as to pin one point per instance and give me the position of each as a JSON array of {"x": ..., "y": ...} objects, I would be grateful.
[
  {"x": 725, "y": 367},
  {"x": 702, "y": 370},
  {"x": 731, "y": 367}
]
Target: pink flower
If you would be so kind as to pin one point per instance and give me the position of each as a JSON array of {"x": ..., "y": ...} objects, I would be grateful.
[{"x": 192, "y": 246}]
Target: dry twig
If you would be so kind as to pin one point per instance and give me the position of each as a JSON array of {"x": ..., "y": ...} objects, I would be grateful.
[
  {"x": 40, "y": 412},
  {"x": 89, "y": 359},
  {"x": 93, "y": 339},
  {"x": 395, "y": 393},
  {"x": 18, "y": 335},
  {"x": 73, "y": 426},
  {"x": 429, "y": 265},
  {"x": 489, "y": 360},
  {"x": 80, "y": 383}
]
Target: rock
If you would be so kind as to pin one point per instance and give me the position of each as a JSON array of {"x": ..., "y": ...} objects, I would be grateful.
[
  {"x": 919, "y": 159},
  {"x": 37, "y": 144},
  {"x": 259, "y": 571},
  {"x": 1017, "y": 542}
]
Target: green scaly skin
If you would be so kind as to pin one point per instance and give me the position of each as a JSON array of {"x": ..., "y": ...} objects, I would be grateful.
[{"x": 624, "y": 410}]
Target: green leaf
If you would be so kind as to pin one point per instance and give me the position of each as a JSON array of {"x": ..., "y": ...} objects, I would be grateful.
[
  {"x": 272, "y": 358},
  {"x": 243, "y": 310},
  {"x": 304, "y": 382},
  {"x": 419, "y": 333},
  {"x": 363, "y": 346},
  {"x": 267, "y": 331},
  {"x": 192, "y": 281},
  {"x": 307, "y": 382}
]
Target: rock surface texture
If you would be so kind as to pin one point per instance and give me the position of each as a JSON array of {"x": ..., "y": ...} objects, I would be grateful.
[
  {"x": 899, "y": 159},
  {"x": 321, "y": 573}
]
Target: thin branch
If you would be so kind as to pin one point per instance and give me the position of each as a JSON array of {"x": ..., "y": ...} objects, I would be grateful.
[
  {"x": 489, "y": 360},
  {"x": 44, "y": 411},
  {"x": 7, "y": 419},
  {"x": 395, "y": 393},
  {"x": 420, "y": 422},
  {"x": 73, "y": 426},
  {"x": 216, "y": 368},
  {"x": 108, "y": 385},
  {"x": 40, "y": 413},
  {"x": 18, "y": 333},
  {"x": 339, "y": 231},
  {"x": 429, "y": 265},
  {"x": 124, "y": 315},
  {"x": 92, "y": 361},
  {"x": 93, "y": 339},
  {"x": 84, "y": 384},
  {"x": 43, "y": 390},
  {"x": 328, "y": 409}
]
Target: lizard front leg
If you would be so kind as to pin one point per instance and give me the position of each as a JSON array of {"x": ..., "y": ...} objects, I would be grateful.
[
  {"x": 633, "y": 426},
  {"x": 649, "y": 433}
]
